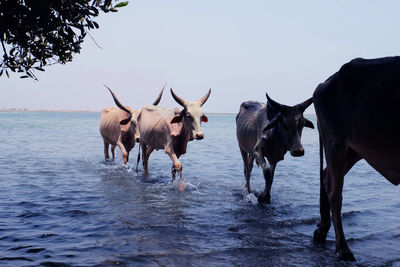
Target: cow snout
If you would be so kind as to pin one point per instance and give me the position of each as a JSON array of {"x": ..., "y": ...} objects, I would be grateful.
[
  {"x": 137, "y": 140},
  {"x": 297, "y": 152},
  {"x": 199, "y": 136}
]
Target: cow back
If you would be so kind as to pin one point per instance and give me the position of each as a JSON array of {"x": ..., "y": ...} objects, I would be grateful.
[
  {"x": 250, "y": 122},
  {"x": 358, "y": 107},
  {"x": 155, "y": 126},
  {"x": 109, "y": 124}
]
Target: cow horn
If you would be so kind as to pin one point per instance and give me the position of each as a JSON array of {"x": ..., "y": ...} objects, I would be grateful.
[
  {"x": 155, "y": 103},
  {"x": 274, "y": 104},
  {"x": 303, "y": 106},
  {"x": 204, "y": 98},
  {"x": 116, "y": 100},
  {"x": 179, "y": 100}
]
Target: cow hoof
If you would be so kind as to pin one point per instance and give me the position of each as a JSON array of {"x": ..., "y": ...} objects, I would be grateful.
[
  {"x": 346, "y": 254},
  {"x": 319, "y": 235},
  {"x": 263, "y": 199},
  {"x": 344, "y": 251}
]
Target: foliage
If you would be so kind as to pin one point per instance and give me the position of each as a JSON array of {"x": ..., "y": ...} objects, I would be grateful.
[{"x": 37, "y": 33}]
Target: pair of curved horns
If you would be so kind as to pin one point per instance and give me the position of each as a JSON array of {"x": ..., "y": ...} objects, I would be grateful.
[
  {"x": 302, "y": 106},
  {"x": 182, "y": 102},
  {"x": 155, "y": 103}
]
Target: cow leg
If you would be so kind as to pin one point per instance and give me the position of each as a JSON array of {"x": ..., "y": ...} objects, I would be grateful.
[
  {"x": 106, "y": 155},
  {"x": 144, "y": 159},
  {"x": 250, "y": 167},
  {"x": 265, "y": 197},
  {"x": 124, "y": 153},
  {"x": 251, "y": 161},
  {"x": 267, "y": 172},
  {"x": 173, "y": 172},
  {"x": 148, "y": 152},
  {"x": 339, "y": 161},
  {"x": 177, "y": 166},
  {"x": 325, "y": 210},
  {"x": 137, "y": 160},
  {"x": 246, "y": 168},
  {"x": 127, "y": 156},
  {"x": 180, "y": 172},
  {"x": 113, "y": 152},
  {"x": 149, "y": 149},
  {"x": 272, "y": 168}
]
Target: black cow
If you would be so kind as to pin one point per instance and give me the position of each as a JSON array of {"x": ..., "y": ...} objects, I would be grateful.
[
  {"x": 358, "y": 118},
  {"x": 269, "y": 130}
]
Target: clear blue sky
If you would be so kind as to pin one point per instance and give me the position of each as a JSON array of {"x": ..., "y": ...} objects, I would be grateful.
[{"x": 240, "y": 49}]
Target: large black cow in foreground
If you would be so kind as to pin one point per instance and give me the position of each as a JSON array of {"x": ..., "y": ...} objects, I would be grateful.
[
  {"x": 269, "y": 130},
  {"x": 358, "y": 118}
]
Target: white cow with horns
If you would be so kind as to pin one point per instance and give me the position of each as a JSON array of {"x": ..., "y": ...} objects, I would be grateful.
[
  {"x": 171, "y": 129},
  {"x": 118, "y": 127}
]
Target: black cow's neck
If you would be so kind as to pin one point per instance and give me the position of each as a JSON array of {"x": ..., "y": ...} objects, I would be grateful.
[
  {"x": 278, "y": 143},
  {"x": 180, "y": 141}
]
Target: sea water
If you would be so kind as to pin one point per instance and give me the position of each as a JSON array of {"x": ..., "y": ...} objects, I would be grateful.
[{"x": 62, "y": 204}]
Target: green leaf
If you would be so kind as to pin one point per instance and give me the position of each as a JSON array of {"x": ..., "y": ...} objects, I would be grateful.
[
  {"x": 122, "y": 4},
  {"x": 24, "y": 76},
  {"x": 1, "y": 72},
  {"x": 38, "y": 68}
]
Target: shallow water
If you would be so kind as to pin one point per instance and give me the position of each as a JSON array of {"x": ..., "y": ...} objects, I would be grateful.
[{"x": 61, "y": 203}]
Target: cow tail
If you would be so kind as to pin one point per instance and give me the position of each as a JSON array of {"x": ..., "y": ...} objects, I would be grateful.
[
  {"x": 321, "y": 157},
  {"x": 138, "y": 159}
]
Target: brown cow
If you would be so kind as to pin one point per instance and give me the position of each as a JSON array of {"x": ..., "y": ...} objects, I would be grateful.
[
  {"x": 358, "y": 118},
  {"x": 171, "y": 130},
  {"x": 118, "y": 127}
]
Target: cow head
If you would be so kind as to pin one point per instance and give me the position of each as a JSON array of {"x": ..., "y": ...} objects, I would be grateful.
[
  {"x": 191, "y": 116},
  {"x": 289, "y": 122},
  {"x": 130, "y": 120},
  {"x": 133, "y": 124}
]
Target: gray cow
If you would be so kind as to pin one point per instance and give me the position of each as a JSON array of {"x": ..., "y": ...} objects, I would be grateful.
[
  {"x": 269, "y": 130},
  {"x": 118, "y": 127},
  {"x": 171, "y": 129}
]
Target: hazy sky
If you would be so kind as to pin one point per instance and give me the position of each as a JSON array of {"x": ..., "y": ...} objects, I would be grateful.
[{"x": 240, "y": 49}]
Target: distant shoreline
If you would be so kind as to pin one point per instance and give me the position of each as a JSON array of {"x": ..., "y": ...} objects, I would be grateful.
[
  {"x": 50, "y": 110},
  {"x": 93, "y": 111},
  {"x": 42, "y": 110}
]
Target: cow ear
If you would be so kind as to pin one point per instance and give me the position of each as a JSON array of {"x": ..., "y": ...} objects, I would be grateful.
[
  {"x": 271, "y": 124},
  {"x": 125, "y": 121},
  {"x": 176, "y": 119},
  {"x": 204, "y": 118},
  {"x": 308, "y": 124}
]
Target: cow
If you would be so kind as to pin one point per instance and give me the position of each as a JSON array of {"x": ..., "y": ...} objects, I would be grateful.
[
  {"x": 357, "y": 114},
  {"x": 171, "y": 130},
  {"x": 269, "y": 131},
  {"x": 118, "y": 127}
]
